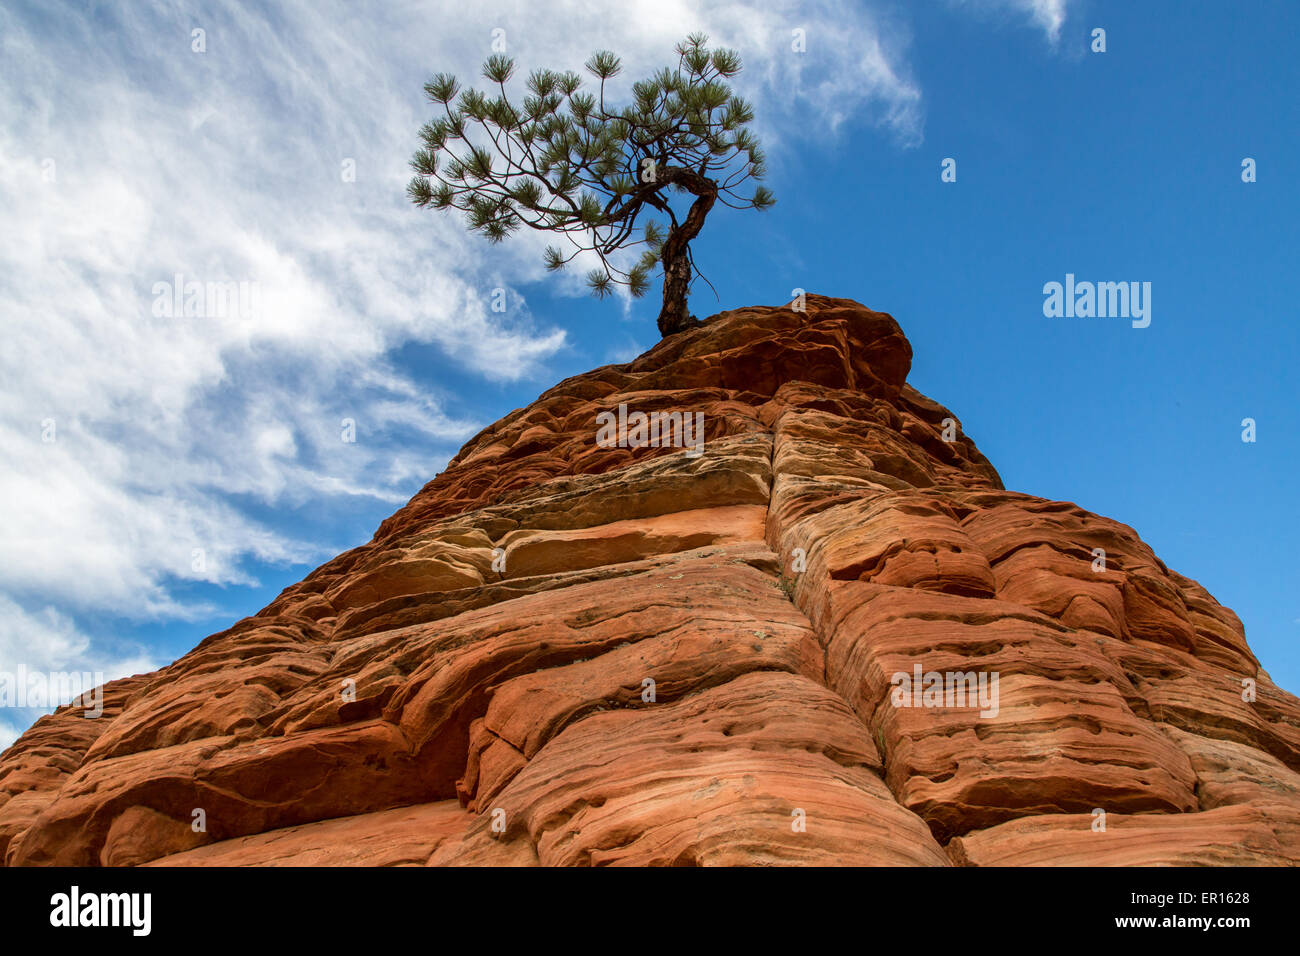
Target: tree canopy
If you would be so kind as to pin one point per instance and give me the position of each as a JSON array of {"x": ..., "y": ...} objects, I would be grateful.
[{"x": 564, "y": 160}]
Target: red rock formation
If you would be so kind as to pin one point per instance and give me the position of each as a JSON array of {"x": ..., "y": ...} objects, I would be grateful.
[{"x": 692, "y": 660}]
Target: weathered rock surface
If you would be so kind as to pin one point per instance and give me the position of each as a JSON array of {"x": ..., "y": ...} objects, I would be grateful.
[{"x": 560, "y": 653}]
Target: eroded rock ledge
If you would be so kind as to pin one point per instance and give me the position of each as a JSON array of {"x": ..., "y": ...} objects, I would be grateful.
[{"x": 501, "y": 630}]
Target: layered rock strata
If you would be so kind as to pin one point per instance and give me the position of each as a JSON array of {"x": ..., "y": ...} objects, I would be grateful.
[{"x": 567, "y": 652}]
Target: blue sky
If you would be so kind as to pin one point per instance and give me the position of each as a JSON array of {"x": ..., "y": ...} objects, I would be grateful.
[{"x": 127, "y": 156}]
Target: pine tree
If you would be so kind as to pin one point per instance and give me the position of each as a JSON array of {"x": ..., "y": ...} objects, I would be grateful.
[{"x": 565, "y": 161}]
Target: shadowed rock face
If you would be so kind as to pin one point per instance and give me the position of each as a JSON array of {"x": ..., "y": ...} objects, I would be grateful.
[{"x": 563, "y": 653}]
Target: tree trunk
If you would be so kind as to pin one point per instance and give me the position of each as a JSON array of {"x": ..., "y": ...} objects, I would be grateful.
[{"x": 674, "y": 316}]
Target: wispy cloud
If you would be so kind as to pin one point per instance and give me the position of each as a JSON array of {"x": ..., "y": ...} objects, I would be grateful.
[
  {"x": 224, "y": 142},
  {"x": 46, "y": 641},
  {"x": 1048, "y": 15},
  {"x": 267, "y": 144}
]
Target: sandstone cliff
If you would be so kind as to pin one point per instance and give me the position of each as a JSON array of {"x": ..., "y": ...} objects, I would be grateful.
[{"x": 412, "y": 702}]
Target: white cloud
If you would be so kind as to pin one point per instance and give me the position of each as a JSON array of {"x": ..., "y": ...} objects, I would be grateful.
[
  {"x": 127, "y": 158},
  {"x": 140, "y": 449},
  {"x": 9, "y": 732},
  {"x": 1048, "y": 15},
  {"x": 48, "y": 642}
]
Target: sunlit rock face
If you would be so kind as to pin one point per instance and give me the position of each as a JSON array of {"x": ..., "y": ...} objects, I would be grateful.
[{"x": 815, "y": 630}]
